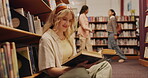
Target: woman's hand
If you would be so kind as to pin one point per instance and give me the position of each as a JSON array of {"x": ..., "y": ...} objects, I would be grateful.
[{"x": 85, "y": 65}]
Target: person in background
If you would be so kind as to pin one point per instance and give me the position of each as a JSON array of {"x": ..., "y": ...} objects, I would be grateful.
[
  {"x": 56, "y": 45},
  {"x": 84, "y": 30},
  {"x": 112, "y": 35}
]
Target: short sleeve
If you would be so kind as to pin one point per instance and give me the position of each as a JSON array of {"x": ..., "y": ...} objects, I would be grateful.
[{"x": 46, "y": 54}]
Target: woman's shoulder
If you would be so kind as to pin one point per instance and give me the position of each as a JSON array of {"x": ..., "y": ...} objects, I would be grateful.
[
  {"x": 82, "y": 15},
  {"x": 46, "y": 35},
  {"x": 112, "y": 17}
]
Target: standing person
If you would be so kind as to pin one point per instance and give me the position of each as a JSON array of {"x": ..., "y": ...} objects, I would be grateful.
[
  {"x": 56, "y": 45},
  {"x": 112, "y": 35},
  {"x": 84, "y": 30}
]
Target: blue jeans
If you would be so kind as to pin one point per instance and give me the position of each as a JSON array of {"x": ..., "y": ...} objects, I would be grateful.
[{"x": 112, "y": 44}]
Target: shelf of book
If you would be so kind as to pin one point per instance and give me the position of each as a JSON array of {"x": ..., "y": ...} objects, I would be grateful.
[
  {"x": 17, "y": 35},
  {"x": 134, "y": 29},
  {"x": 107, "y": 37},
  {"x": 39, "y": 8},
  {"x": 105, "y": 45},
  {"x": 127, "y": 40},
  {"x": 17, "y": 41},
  {"x": 98, "y": 22}
]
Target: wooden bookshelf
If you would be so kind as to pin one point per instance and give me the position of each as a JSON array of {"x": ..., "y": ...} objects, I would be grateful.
[
  {"x": 143, "y": 31},
  {"x": 33, "y": 76},
  {"x": 18, "y": 36},
  {"x": 98, "y": 22},
  {"x": 36, "y": 7},
  {"x": 122, "y": 29}
]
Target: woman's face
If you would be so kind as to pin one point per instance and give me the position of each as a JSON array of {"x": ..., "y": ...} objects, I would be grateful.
[
  {"x": 109, "y": 13},
  {"x": 86, "y": 11},
  {"x": 65, "y": 22}
]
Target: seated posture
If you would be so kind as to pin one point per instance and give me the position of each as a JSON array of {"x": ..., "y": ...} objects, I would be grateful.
[{"x": 57, "y": 45}]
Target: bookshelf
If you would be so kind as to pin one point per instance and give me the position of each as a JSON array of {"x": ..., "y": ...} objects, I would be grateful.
[
  {"x": 36, "y": 7},
  {"x": 21, "y": 38},
  {"x": 127, "y": 41},
  {"x": 143, "y": 7}
]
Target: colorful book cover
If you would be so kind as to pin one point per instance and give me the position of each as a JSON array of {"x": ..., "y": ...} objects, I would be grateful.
[
  {"x": 3, "y": 61},
  {"x": 14, "y": 60},
  {"x": 8, "y": 58}
]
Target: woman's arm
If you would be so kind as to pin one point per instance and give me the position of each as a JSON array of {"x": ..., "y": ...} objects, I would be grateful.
[
  {"x": 83, "y": 22},
  {"x": 114, "y": 25}
]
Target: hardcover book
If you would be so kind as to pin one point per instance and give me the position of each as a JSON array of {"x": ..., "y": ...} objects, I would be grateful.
[
  {"x": 82, "y": 56},
  {"x": 91, "y": 57}
]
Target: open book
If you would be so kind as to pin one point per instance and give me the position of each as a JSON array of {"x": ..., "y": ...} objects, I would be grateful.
[
  {"x": 91, "y": 57},
  {"x": 82, "y": 56}
]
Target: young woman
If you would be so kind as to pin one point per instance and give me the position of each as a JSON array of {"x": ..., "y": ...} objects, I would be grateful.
[
  {"x": 84, "y": 30},
  {"x": 112, "y": 35},
  {"x": 56, "y": 45}
]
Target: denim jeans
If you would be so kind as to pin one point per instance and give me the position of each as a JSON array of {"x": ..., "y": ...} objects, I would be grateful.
[{"x": 112, "y": 44}]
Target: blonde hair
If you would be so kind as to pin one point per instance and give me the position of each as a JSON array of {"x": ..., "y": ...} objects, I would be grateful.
[{"x": 54, "y": 20}]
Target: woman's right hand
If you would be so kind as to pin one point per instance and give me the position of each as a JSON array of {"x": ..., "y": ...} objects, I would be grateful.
[{"x": 85, "y": 65}]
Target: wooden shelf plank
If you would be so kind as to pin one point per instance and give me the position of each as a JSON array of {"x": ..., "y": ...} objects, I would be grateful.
[
  {"x": 35, "y": 7},
  {"x": 33, "y": 76},
  {"x": 16, "y": 35}
]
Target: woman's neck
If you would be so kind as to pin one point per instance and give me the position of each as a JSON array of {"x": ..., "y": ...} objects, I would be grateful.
[{"x": 60, "y": 34}]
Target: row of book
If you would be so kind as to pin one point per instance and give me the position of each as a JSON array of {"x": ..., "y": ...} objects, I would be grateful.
[
  {"x": 17, "y": 18},
  {"x": 104, "y": 18},
  {"x": 5, "y": 14},
  {"x": 99, "y": 34},
  {"x": 105, "y": 34},
  {"x": 128, "y": 34},
  {"x": 27, "y": 21},
  {"x": 104, "y": 26},
  {"x": 127, "y": 42},
  {"x": 128, "y": 50},
  {"x": 17, "y": 62}
]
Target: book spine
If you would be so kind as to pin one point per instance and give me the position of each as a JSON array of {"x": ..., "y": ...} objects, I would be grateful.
[
  {"x": 4, "y": 63},
  {"x": 8, "y": 13},
  {"x": 2, "y": 18},
  {"x": 14, "y": 60},
  {"x": 8, "y": 59},
  {"x": 1, "y": 65},
  {"x": 5, "y": 12}
]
